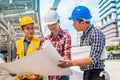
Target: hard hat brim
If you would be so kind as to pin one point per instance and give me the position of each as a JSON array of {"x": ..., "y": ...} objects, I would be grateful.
[
  {"x": 50, "y": 22},
  {"x": 71, "y": 18}
]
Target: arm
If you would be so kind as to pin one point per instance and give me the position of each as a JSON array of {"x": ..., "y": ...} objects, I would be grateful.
[
  {"x": 78, "y": 62},
  {"x": 97, "y": 47},
  {"x": 98, "y": 44},
  {"x": 13, "y": 54},
  {"x": 82, "y": 62},
  {"x": 13, "y": 57},
  {"x": 67, "y": 46}
]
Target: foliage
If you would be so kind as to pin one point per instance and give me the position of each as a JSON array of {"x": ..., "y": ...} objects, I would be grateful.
[{"x": 113, "y": 47}]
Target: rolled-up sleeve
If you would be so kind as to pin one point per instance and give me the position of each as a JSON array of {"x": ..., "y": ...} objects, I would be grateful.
[{"x": 67, "y": 46}]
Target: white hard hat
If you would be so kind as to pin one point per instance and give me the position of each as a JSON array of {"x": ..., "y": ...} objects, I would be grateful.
[{"x": 51, "y": 17}]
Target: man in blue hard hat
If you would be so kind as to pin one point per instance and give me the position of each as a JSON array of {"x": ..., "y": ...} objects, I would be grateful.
[{"x": 94, "y": 64}]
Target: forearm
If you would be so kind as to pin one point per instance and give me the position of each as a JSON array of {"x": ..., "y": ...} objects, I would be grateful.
[
  {"x": 79, "y": 62},
  {"x": 82, "y": 62}
]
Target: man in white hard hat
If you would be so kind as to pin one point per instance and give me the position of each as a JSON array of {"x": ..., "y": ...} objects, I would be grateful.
[{"x": 61, "y": 40}]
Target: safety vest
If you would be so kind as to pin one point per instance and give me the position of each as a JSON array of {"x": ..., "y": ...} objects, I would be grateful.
[{"x": 32, "y": 47}]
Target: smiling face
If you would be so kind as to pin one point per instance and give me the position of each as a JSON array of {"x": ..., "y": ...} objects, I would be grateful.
[{"x": 28, "y": 31}]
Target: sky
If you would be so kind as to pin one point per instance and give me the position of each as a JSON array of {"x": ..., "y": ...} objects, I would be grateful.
[{"x": 65, "y": 9}]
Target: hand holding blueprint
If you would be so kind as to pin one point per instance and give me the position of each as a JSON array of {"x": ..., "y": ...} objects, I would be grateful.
[{"x": 43, "y": 62}]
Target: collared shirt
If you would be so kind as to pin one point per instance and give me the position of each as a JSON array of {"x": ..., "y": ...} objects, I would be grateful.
[
  {"x": 62, "y": 43},
  {"x": 96, "y": 39},
  {"x": 26, "y": 43}
]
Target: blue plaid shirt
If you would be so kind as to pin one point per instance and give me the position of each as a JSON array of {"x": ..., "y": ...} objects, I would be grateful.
[{"x": 96, "y": 39}]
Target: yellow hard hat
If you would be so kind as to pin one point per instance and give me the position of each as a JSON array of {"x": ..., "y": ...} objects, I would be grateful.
[{"x": 26, "y": 20}]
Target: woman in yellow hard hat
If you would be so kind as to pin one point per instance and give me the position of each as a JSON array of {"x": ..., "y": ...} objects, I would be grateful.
[{"x": 26, "y": 46}]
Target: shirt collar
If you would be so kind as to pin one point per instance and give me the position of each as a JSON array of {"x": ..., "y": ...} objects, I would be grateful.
[
  {"x": 88, "y": 29},
  {"x": 61, "y": 32},
  {"x": 26, "y": 40}
]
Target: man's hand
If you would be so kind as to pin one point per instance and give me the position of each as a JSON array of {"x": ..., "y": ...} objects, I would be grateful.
[
  {"x": 65, "y": 63},
  {"x": 65, "y": 58}
]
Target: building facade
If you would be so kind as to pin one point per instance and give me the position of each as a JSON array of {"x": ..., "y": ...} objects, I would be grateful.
[
  {"x": 108, "y": 16},
  {"x": 118, "y": 15}
]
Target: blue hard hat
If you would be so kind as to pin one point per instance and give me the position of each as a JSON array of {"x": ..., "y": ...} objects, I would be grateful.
[{"x": 80, "y": 12}]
